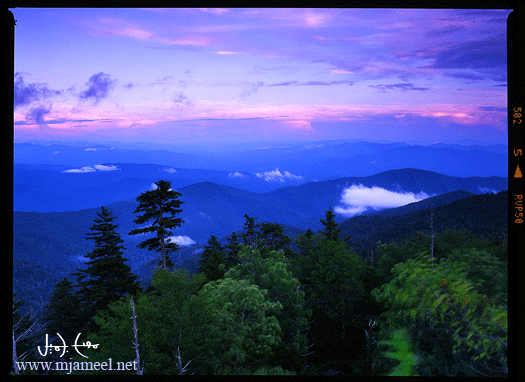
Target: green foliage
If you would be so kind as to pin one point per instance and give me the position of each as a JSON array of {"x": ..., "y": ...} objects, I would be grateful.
[
  {"x": 272, "y": 273},
  {"x": 259, "y": 308},
  {"x": 107, "y": 277},
  {"x": 445, "y": 301},
  {"x": 62, "y": 311},
  {"x": 397, "y": 345},
  {"x": 332, "y": 276},
  {"x": 160, "y": 205},
  {"x": 278, "y": 370},
  {"x": 249, "y": 234},
  {"x": 212, "y": 264},
  {"x": 166, "y": 321},
  {"x": 241, "y": 331},
  {"x": 265, "y": 237},
  {"x": 489, "y": 275},
  {"x": 331, "y": 231},
  {"x": 228, "y": 327}
]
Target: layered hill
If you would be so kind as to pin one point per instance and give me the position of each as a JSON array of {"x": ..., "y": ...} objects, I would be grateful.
[
  {"x": 58, "y": 177},
  {"x": 484, "y": 215},
  {"x": 49, "y": 246}
]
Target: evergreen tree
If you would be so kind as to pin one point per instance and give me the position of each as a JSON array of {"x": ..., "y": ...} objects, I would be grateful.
[
  {"x": 160, "y": 205},
  {"x": 107, "y": 276},
  {"x": 62, "y": 311},
  {"x": 232, "y": 250},
  {"x": 272, "y": 238},
  {"x": 250, "y": 234},
  {"x": 167, "y": 325},
  {"x": 213, "y": 258},
  {"x": 331, "y": 232},
  {"x": 332, "y": 275}
]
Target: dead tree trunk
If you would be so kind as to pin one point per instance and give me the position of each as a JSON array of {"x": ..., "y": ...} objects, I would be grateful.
[
  {"x": 15, "y": 358},
  {"x": 369, "y": 342},
  {"x": 136, "y": 342},
  {"x": 179, "y": 360}
]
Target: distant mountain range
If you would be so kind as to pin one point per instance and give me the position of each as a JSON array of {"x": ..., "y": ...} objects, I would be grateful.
[
  {"x": 218, "y": 209},
  {"x": 58, "y": 188},
  {"x": 63, "y": 178}
]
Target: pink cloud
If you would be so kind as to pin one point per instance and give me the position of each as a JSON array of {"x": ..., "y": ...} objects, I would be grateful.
[
  {"x": 110, "y": 27},
  {"x": 215, "y": 11}
]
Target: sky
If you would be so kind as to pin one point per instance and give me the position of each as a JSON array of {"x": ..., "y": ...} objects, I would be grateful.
[{"x": 221, "y": 75}]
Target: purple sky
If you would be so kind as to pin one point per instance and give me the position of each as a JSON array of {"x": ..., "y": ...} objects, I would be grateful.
[{"x": 205, "y": 75}]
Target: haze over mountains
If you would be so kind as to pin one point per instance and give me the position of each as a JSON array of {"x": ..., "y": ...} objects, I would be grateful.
[{"x": 61, "y": 177}]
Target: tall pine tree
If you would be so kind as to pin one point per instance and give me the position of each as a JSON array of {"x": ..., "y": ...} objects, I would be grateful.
[
  {"x": 331, "y": 232},
  {"x": 107, "y": 276},
  {"x": 212, "y": 259},
  {"x": 250, "y": 235},
  {"x": 232, "y": 250},
  {"x": 61, "y": 312},
  {"x": 160, "y": 205}
]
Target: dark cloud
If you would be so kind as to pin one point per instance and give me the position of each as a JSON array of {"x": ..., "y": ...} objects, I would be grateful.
[
  {"x": 492, "y": 108},
  {"x": 37, "y": 113},
  {"x": 444, "y": 31},
  {"x": 251, "y": 89},
  {"x": 327, "y": 83},
  {"x": 25, "y": 94},
  {"x": 99, "y": 86},
  {"x": 467, "y": 76},
  {"x": 483, "y": 15},
  {"x": 489, "y": 53},
  {"x": 181, "y": 100},
  {"x": 403, "y": 87},
  {"x": 288, "y": 83},
  {"x": 165, "y": 78}
]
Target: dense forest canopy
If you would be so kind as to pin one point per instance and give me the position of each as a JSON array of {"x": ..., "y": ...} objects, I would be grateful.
[{"x": 368, "y": 296}]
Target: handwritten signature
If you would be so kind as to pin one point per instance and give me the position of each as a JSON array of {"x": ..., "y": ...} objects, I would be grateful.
[{"x": 57, "y": 348}]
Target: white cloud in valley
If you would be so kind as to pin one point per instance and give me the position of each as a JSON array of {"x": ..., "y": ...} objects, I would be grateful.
[
  {"x": 277, "y": 176},
  {"x": 358, "y": 198},
  {"x": 99, "y": 167},
  {"x": 81, "y": 170},
  {"x": 236, "y": 174},
  {"x": 182, "y": 240}
]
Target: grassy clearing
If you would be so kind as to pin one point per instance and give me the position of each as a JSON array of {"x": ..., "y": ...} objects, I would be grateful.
[{"x": 399, "y": 348}]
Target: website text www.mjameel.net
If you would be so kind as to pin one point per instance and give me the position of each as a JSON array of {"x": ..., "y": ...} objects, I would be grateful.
[{"x": 78, "y": 366}]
